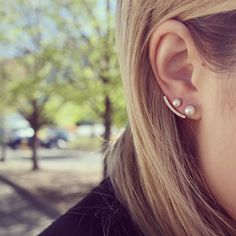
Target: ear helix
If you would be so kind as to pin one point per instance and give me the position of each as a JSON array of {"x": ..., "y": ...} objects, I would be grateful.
[{"x": 188, "y": 111}]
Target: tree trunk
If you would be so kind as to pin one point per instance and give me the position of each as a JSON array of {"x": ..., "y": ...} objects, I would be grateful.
[
  {"x": 34, "y": 148},
  {"x": 3, "y": 151},
  {"x": 3, "y": 139},
  {"x": 107, "y": 132},
  {"x": 34, "y": 120},
  {"x": 108, "y": 105},
  {"x": 107, "y": 118}
]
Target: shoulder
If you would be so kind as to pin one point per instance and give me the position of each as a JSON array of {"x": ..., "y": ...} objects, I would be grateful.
[{"x": 98, "y": 213}]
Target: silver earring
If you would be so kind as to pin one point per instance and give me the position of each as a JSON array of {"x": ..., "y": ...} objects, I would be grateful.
[
  {"x": 172, "y": 108},
  {"x": 189, "y": 110}
]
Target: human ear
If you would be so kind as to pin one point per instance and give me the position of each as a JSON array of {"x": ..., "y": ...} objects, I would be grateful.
[{"x": 175, "y": 62}]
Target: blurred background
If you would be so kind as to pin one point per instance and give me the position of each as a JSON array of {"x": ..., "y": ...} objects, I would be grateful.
[{"x": 61, "y": 103}]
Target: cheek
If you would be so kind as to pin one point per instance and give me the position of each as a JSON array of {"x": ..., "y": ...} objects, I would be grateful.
[{"x": 218, "y": 156}]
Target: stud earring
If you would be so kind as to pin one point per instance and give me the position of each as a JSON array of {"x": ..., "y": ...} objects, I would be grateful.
[
  {"x": 177, "y": 102},
  {"x": 189, "y": 110}
]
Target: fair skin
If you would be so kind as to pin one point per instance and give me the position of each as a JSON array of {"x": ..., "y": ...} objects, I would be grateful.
[{"x": 182, "y": 73}]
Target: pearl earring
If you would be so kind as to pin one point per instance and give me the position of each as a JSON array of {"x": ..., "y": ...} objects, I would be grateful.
[
  {"x": 189, "y": 110},
  {"x": 177, "y": 102}
]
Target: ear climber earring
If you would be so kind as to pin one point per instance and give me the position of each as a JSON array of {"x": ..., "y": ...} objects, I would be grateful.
[
  {"x": 176, "y": 103},
  {"x": 188, "y": 111}
]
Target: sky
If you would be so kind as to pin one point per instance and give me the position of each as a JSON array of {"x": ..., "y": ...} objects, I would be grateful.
[{"x": 13, "y": 20}]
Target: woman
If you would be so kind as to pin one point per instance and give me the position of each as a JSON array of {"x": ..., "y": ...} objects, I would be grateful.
[{"x": 172, "y": 171}]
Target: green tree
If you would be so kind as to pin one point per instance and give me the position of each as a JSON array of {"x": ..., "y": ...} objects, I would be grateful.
[
  {"x": 94, "y": 69},
  {"x": 3, "y": 110},
  {"x": 64, "y": 52},
  {"x": 97, "y": 74},
  {"x": 37, "y": 65}
]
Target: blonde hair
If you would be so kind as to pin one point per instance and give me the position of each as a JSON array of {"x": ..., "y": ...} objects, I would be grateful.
[{"x": 151, "y": 166}]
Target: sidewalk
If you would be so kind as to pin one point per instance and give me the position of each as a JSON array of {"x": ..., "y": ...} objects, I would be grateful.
[
  {"x": 29, "y": 201},
  {"x": 18, "y": 215}
]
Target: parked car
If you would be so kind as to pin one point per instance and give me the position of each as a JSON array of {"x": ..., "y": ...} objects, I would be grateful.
[
  {"x": 56, "y": 138},
  {"x": 19, "y": 137}
]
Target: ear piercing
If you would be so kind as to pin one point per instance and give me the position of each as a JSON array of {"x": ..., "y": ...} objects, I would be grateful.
[{"x": 188, "y": 111}]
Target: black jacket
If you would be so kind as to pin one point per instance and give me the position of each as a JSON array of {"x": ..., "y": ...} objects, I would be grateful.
[{"x": 99, "y": 213}]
